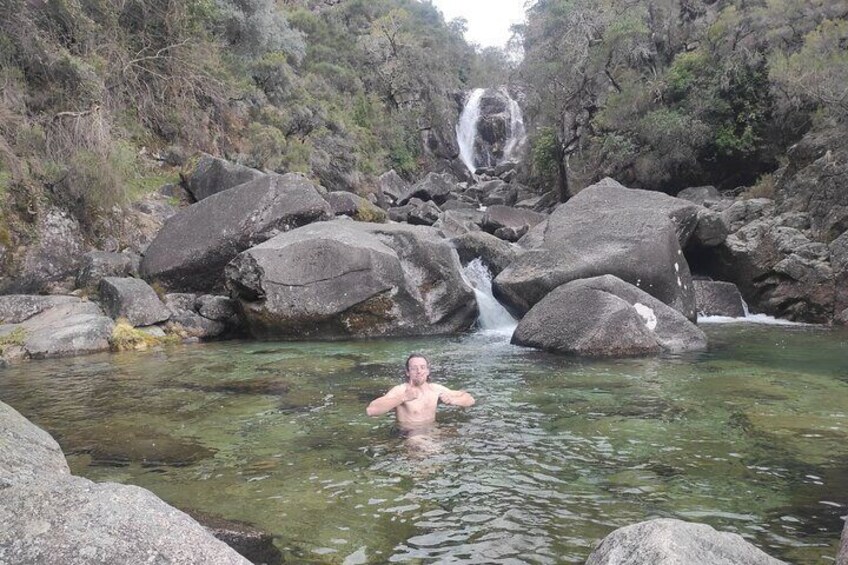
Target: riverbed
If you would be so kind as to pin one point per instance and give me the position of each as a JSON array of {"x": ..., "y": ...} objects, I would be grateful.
[{"x": 749, "y": 437}]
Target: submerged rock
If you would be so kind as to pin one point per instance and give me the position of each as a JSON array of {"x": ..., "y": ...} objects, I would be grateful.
[
  {"x": 194, "y": 245},
  {"x": 675, "y": 542},
  {"x": 251, "y": 542},
  {"x": 349, "y": 279},
  {"x": 606, "y": 317}
]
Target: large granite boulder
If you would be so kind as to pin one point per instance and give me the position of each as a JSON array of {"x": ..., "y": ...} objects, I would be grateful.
[
  {"x": 497, "y": 217},
  {"x": 457, "y": 222},
  {"x": 204, "y": 317},
  {"x": 352, "y": 205},
  {"x": 700, "y": 194},
  {"x": 495, "y": 253},
  {"x": 666, "y": 541},
  {"x": 495, "y": 192},
  {"x": 213, "y": 175},
  {"x": 53, "y": 326},
  {"x": 636, "y": 235},
  {"x": 133, "y": 299},
  {"x": 718, "y": 298},
  {"x": 194, "y": 245},
  {"x": 392, "y": 187},
  {"x": 74, "y": 521},
  {"x": 416, "y": 212},
  {"x": 99, "y": 264},
  {"x": 606, "y": 317},
  {"x": 27, "y": 453},
  {"x": 50, "y": 261},
  {"x": 435, "y": 186},
  {"x": 349, "y": 279}
]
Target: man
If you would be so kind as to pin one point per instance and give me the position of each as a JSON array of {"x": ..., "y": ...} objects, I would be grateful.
[{"x": 414, "y": 402}]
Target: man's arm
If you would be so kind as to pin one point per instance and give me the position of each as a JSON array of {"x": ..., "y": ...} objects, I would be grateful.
[
  {"x": 389, "y": 401},
  {"x": 455, "y": 397}
]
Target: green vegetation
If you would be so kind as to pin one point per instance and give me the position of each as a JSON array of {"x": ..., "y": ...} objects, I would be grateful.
[
  {"x": 677, "y": 93},
  {"x": 15, "y": 338},
  {"x": 127, "y": 338},
  {"x": 95, "y": 91}
]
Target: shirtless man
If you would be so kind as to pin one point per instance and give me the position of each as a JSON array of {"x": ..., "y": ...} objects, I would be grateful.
[{"x": 414, "y": 402}]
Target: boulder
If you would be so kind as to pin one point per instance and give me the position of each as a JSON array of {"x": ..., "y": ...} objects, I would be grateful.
[
  {"x": 495, "y": 253},
  {"x": 349, "y": 204},
  {"x": 194, "y": 246},
  {"x": 17, "y": 308},
  {"x": 842, "y": 557},
  {"x": 416, "y": 212},
  {"x": 49, "y": 263},
  {"x": 710, "y": 231},
  {"x": 348, "y": 279},
  {"x": 511, "y": 234},
  {"x": 436, "y": 187},
  {"x": 636, "y": 235},
  {"x": 213, "y": 175},
  {"x": 497, "y": 217},
  {"x": 28, "y": 453},
  {"x": 203, "y": 317},
  {"x": 74, "y": 521},
  {"x": 666, "y": 541},
  {"x": 606, "y": 317},
  {"x": 132, "y": 299},
  {"x": 457, "y": 222},
  {"x": 99, "y": 264},
  {"x": 62, "y": 326},
  {"x": 392, "y": 186},
  {"x": 718, "y": 298},
  {"x": 495, "y": 192},
  {"x": 699, "y": 194}
]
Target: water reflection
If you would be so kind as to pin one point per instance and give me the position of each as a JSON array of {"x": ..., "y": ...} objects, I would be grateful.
[{"x": 749, "y": 437}]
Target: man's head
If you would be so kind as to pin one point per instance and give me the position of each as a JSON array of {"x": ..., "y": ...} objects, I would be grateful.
[{"x": 417, "y": 369}]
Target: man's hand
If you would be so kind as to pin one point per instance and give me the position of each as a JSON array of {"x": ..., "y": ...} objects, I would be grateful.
[
  {"x": 446, "y": 398},
  {"x": 411, "y": 393}
]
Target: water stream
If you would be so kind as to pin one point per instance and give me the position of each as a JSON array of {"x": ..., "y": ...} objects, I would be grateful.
[{"x": 750, "y": 437}]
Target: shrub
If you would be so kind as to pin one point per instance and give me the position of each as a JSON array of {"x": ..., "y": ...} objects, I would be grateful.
[
  {"x": 15, "y": 338},
  {"x": 127, "y": 338}
]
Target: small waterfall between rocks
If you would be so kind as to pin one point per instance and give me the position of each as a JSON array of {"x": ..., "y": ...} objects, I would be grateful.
[
  {"x": 493, "y": 316},
  {"x": 475, "y": 152}
]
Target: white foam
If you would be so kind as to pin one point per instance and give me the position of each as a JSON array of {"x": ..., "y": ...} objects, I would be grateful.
[{"x": 763, "y": 319}]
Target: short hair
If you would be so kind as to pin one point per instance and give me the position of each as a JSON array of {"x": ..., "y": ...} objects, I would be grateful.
[{"x": 416, "y": 356}]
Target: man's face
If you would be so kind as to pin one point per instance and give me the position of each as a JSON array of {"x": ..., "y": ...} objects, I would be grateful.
[{"x": 417, "y": 371}]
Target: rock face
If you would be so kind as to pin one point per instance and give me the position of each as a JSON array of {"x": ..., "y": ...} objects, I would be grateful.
[
  {"x": 636, "y": 235},
  {"x": 204, "y": 317},
  {"x": 132, "y": 299},
  {"x": 606, "y": 317},
  {"x": 49, "y": 516},
  {"x": 54, "y": 326},
  {"x": 194, "y": 246},
  {"x": 718, "y": 298},
  {"x": 52, "y": 260},
  {"x": 28, "y": 454},
  {"x": 99, "y": 264},
  {"x": 674, "y": 542},
  {"x": 348, "y": 279},
  {"x": 214, "y": 175},
  {"x": 495, "y": 253}
]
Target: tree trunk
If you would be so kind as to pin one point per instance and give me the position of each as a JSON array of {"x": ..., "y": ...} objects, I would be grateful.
[{"x": 562, "y": 174}]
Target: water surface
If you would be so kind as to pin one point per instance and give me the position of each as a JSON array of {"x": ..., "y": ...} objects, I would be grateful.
[{"x": 751, "y": 437}]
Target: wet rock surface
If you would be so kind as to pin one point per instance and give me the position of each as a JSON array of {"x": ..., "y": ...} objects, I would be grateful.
[
  {"x": 671, "y": 542},
  {"x": 606, "y": 317}
]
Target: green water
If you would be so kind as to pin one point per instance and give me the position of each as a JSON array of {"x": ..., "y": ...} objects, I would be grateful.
[{"x": 751, "y": 437}]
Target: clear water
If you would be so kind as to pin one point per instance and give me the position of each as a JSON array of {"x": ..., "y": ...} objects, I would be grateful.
[{"x": 750, "y": 437}]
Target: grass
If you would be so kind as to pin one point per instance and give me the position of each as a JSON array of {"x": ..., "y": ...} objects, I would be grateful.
[
  {"x": 127, "y": 338},
  {"x": 15, "y": 338}
]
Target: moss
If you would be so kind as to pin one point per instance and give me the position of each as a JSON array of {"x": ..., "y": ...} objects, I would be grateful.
[
  {"x": 15, "y": 338},
  {"x": 127, "y": 338},
  {"x": 367, "y": 212},
  {"x": 140, "y": 186}
]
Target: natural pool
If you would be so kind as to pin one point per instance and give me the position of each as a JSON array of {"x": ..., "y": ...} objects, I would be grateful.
[{"x": 750, "y": 437}]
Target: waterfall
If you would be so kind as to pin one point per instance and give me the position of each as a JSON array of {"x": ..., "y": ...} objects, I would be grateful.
[
  {"x": 493, "y": 316},
  {"x": 466, "y": 128},
  {"x": 517, "y": 133}
]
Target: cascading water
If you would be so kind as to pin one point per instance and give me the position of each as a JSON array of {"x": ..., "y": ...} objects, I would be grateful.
[
  {"x": 466, "y": 129},
  {"x": 493, "y": 316}
]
